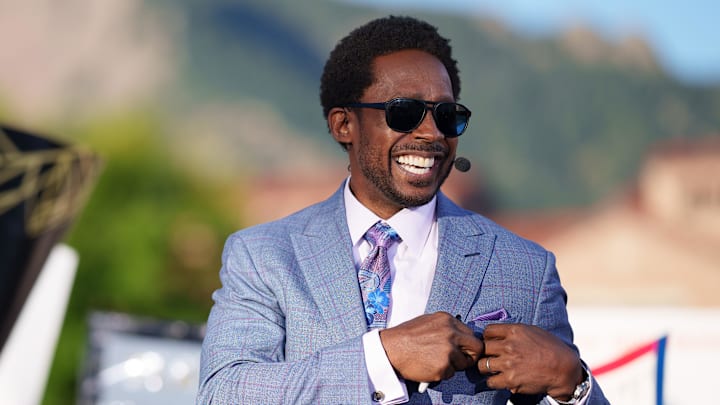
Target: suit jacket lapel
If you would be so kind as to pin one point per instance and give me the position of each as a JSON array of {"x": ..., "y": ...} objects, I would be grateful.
[
  {"x": 463, "y": 255},
  {"x": 324, "y": 254}
]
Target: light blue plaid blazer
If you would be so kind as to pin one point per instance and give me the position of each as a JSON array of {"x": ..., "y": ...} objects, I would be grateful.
[{"x": 287, "y": 323}]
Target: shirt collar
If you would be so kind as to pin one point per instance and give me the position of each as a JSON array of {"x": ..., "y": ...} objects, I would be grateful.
[{"x": 412, "y": 224}]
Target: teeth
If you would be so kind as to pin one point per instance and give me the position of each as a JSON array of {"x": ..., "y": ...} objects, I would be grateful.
[
  {"x": 416, "y": 164},
  {"x": 417, "y": 161},
  {"x": 416, "y": 170}
]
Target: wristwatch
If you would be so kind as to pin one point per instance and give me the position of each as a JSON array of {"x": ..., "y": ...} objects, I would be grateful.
[{"x": 580, "y": 391}]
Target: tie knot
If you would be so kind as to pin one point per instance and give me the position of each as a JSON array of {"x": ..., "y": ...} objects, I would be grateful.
[{"x": 381, "y": 234}]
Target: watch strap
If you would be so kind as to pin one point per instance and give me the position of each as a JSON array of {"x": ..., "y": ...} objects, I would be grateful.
[{"x": 580, "y": 390}]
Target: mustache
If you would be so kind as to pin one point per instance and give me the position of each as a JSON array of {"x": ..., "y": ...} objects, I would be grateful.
[{"x": 432, "y": 148}]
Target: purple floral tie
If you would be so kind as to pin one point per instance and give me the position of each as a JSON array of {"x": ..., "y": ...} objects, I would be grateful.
[{"x": 374, "y": 275}]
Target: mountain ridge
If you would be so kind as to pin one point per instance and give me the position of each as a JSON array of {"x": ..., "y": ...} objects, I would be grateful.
[
  {"x": 559, "y": 120},
  {"x": 555, "y": 120}
]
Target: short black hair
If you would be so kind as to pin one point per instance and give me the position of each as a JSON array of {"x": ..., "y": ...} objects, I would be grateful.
[{"x": 348, "y": 70}]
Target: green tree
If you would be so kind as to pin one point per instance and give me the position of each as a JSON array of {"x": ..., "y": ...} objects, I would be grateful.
[{"x": 149, "y": 240}]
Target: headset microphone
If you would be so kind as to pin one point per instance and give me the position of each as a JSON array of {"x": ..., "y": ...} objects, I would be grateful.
[{"x": 462, "y": 164}]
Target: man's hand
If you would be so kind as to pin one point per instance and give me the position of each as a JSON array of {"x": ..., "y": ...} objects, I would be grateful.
[
  {"x": 431, "y": 347},
  {"x": 529, "y": 360}
]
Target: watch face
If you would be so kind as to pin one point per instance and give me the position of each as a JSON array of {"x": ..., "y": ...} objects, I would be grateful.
[{"x": 581, "y": 390}]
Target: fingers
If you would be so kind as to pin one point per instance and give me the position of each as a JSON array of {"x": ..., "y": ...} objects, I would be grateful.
[
  {"x": 468, "y": 347},
  {"x": 502, "y": 338},
  {"x": 431, "y": 347},
  {"x": 529, "y": 360},
  {"x": 460, "y": 360},
  {"x": 500, "y": 374},
  {"x": 471, "y": 346},
  {"x": 484, "y": 366},
  {"x": 496, "y": 379},
  {"x": 496, "y": 348},
  {"x": 497, "y": 331}
]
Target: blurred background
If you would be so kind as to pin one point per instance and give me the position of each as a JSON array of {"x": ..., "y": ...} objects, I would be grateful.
[{"x": 595, "y": 131}]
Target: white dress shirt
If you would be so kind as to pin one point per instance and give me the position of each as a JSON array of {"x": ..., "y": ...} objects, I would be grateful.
[{"x": 412, "y": 268}]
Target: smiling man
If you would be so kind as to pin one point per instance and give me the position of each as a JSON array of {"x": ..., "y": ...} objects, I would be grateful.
[
  {"x": 396, "y": 172},
  {"x": 388, "y": 292}
]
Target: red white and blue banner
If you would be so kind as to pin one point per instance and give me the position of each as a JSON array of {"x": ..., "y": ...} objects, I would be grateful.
[
  {"x": 650, "y": 355},
  {"x": 630, "y": 371}
]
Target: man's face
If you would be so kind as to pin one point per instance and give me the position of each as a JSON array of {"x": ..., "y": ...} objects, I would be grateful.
[{"x": 392, "y": 170}]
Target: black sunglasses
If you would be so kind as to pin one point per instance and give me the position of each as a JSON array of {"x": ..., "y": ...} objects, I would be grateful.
[{"x": 406, "y": 114}]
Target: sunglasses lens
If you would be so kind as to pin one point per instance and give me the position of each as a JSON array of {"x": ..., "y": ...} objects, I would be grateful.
[
  {"x": 404, "y": 115},
  {"x": 451, "y": 119}
]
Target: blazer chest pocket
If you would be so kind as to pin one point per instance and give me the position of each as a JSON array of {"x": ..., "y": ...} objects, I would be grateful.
[{"x": 480, "y": 322}]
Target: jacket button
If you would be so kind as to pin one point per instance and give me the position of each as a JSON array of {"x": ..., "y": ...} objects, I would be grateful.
[{"x": 378, "y": 396}]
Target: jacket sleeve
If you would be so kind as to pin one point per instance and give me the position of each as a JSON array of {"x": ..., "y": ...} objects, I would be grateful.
[
  {"x": 551, "y": 315},
  {"x": 243, "y": 354}
]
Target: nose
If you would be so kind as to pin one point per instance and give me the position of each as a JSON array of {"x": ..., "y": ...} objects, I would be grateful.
[{"x": 428, "y": 130}]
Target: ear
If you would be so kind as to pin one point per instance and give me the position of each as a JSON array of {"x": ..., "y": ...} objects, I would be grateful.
[{"x": 340, "y": 125}]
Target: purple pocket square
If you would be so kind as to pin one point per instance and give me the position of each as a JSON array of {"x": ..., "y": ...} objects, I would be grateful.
[{"x": 497, "y": 315}]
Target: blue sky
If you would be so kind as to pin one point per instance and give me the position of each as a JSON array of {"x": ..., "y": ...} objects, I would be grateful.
[{"x": 683, "y": 33}]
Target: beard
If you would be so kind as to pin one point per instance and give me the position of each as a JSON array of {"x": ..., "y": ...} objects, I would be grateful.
[{"x": 372, "y": 162}]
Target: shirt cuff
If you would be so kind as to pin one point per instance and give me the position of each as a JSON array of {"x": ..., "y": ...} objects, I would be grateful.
[
  {"x": 384, "y": 383},
  {"x": 582, "y": 400}
]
